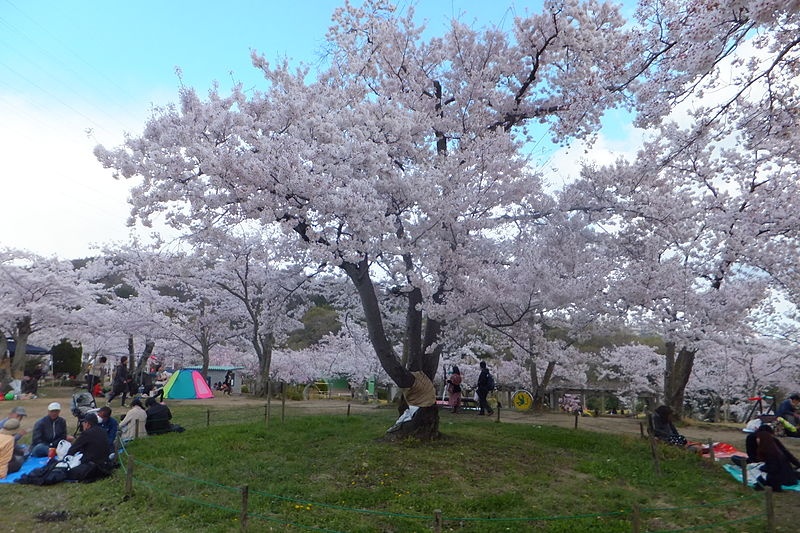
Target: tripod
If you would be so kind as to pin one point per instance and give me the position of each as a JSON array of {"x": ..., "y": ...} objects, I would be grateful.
[{"x": 758, "y": 405}]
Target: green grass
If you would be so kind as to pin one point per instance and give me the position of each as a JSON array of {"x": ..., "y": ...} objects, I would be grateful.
[{"x": 314, "y": 473}]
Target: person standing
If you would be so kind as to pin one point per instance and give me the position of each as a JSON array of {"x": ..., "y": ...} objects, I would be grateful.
[
  {"x": 120, "y": 383},
  {"x": 454, "y": 390},
  {"x": 49, "y": 431},
  {"x": 485, "y": 386}
]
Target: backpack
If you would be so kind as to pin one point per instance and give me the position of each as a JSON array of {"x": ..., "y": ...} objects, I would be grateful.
[
  {"x": 489, "y": 381},
  {"x": 44, "y": 475}
]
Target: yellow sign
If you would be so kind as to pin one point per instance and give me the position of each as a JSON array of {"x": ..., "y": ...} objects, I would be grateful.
[{"x": 522, "y": 400}]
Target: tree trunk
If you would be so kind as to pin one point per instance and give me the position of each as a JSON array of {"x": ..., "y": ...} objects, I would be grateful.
[
  {"x": 263, "y": 345},
  {"x": 359, "y": 275},
  {"x": 677, "y": 370},
  {"x": 20, "y": 356},
  {"x": 540, "y": 388},
  {"x": 5, "y": 362},
  {"x": 425, "y": 424},
  {"x": 141, "y": 365}
]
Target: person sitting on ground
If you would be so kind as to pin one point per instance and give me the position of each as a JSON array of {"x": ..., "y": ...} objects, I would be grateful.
[
  {"x": 754, "y": 427},
  {"x": 664, "y": 429},
  {"x": 158, "y": 417},
  {"x": 93, "y": 444},
  {"x": 49, "y": 431},
  {"x": 788, "y": 411},
  {"x": 128, "y": 426},
  {"x": 108, "y": 423},
  {"x": 778, "y": 469},
  {"x": 11, "y": 455},
  {"x": 17, "y": 413}
]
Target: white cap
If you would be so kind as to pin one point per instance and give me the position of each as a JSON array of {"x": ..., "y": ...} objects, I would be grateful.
[{"x": 55, "y": 406}]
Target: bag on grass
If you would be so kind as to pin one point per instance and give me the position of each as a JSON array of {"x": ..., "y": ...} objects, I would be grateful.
[{"x": 44, "y": 475}]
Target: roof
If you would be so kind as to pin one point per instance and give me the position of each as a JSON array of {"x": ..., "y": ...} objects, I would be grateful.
[{"x": 199, "y": 367}]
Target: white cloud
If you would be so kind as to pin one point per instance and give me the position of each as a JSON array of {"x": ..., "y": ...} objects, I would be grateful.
[{"x": 58, "y": 198}]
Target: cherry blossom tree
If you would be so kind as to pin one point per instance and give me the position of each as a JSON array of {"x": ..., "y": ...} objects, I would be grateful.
[
  {"x": 401, "y": 160},
  {"x": 40, "y": 296}
]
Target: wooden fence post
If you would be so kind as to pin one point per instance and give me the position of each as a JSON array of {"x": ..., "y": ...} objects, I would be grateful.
[
  {"x": 437, "y": 521},
  {"x": 348, "y": 408},
  {"x": 129, "y": 478},
  {"x": 243, "y": 515},
  {"x": 654, "y": 452},
  {"x": 498, "y": 412},
  {"x": 711, "y": 450},
  {"x": 269, "y": 399},
  {"x": 136, "y": 429},
  {"x": 283, "y": 401},
  {"x": 636, "y": 519},
  {"x": 208, "y": 417},
  {"x": 770, "y": 509},
  {"x": 577, "y": 414}
]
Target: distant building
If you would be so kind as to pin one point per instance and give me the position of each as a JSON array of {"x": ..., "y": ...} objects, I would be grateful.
[{"x": 216, "y": 374}]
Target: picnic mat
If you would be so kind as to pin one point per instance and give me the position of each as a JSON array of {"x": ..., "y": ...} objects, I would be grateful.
[
  {"x": 27, "y": 466},
  {"x": 753, "y": 471},
  {"x": 722, "y": 450}
]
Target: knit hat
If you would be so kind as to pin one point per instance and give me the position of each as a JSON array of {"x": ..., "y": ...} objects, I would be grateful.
[{"x": 10, "y": 427}]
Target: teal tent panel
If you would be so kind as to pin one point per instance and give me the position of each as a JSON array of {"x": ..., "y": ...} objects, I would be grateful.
[{"x": 187, "y": 385}]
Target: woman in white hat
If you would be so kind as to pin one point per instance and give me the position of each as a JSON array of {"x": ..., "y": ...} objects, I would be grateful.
[{"x": 10, "y": 462}]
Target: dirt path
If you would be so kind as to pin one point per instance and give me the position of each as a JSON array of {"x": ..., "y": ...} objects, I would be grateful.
[{"x": 695, "y": 431}]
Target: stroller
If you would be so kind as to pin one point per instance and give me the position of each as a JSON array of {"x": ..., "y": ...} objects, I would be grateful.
[{"x": 82, "y": 404}]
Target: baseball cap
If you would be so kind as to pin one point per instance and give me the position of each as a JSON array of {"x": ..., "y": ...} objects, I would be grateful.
[
  {"x": 19, "y": 411},
  {"x": 55, "y": 406}
]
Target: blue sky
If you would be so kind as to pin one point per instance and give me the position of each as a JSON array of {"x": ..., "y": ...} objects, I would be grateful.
[{"x": 71, "y": 66}]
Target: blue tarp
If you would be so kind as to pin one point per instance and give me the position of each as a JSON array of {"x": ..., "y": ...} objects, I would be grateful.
[{"x": 30, "y": 349}]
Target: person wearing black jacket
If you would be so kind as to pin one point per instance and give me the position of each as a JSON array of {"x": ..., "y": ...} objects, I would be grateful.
[
  {"x": 664, "y": 429},
  {"x": 93, "y": 444},
  {"x": 158, "y": 417},
  {"x": 484, "y": 388},
  {"x": 48, "y": 431},
  {"x": 121, "y": 382},
  {"x": 778, "y": 468}
]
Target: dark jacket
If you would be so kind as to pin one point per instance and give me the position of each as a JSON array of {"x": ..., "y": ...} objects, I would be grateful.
[
  {"x": 483, "y": 380},
  {"x": 93, "y": 443},
  {"x": 158, "y": 419},
  {"x": 48, "y": 431},
  {"x": 121, "y": 375},
  {"x": 663, "y": 428},
  {"x": 110, "y": 426}
]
